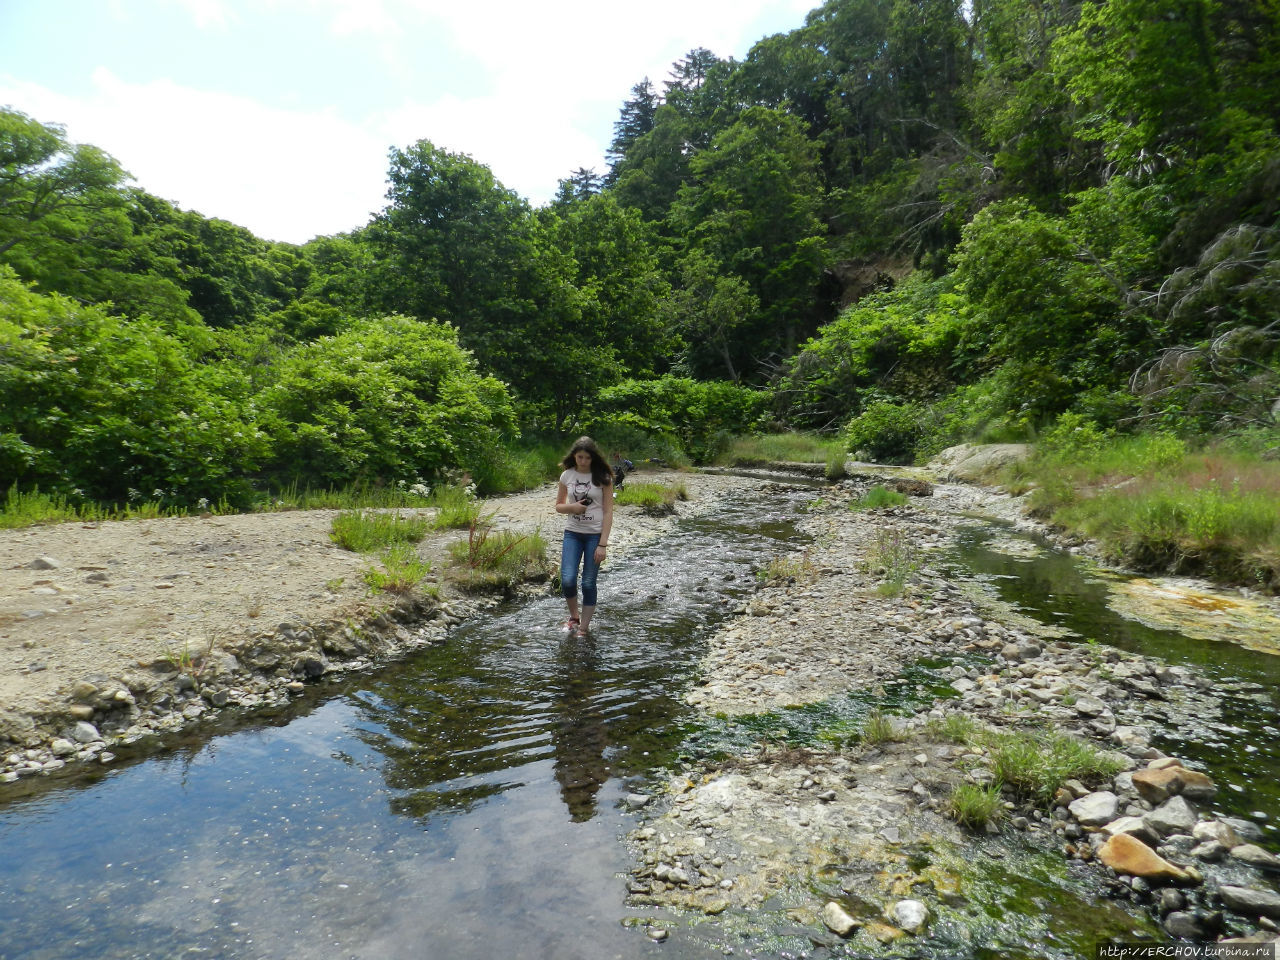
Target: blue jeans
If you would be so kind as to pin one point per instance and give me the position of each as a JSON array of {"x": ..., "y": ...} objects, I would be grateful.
[{"x": 579, "y": 549}]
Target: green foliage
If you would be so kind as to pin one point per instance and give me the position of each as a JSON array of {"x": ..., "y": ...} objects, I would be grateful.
[
  {"x": 878, "y": 497},
  {"x": 894, "y": 558},
  {"x": 365, "y": 531},
  {"x": 879, "y": 728},
  {"x": 390, "y": 399},
  {"x": 658, "y": 499},
  {"x": 402, "y": 571},
  {"x": 701, "y": 416},
  {"x": 456, "y": 508},
  {"x": 102, "y": 408},
  {"x": 490, "y": 559},
  {"x": 1035, "y": 765},
  {"x": 763, "y": 448},
  {"x": 886, "y": 432},
  {"x": 975, "y": 805}
]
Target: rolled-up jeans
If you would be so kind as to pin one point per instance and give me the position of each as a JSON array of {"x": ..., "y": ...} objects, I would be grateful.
[{"x": 579, "y": 549}]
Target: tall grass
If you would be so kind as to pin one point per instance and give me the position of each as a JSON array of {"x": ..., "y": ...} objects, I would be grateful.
[
  {"x": 653, "y": 498},
  {"x": 366, "y": 531},
  {"x": 783, "y": 448},
  {"x": 877, "y": 497},
  {"x": 402, "y": 571},
  {"x": 1153, "y": 502},
  {"x": 456, "y": 509},
  {"x": 490, "y": 559},
  {"x": 1036, "y": 765},
  {"x": 33, "y": 508}
]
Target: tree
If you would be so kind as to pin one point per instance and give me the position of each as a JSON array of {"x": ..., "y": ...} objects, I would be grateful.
[
  {"x": 636, "y": 119},
  {"x": 710, "y": 308},
  {"x": 752, "y": 205}
]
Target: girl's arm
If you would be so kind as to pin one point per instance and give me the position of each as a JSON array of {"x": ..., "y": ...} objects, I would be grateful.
[
  {"x": 607, "y": 521},
  {"x": 562, "y": 501}
]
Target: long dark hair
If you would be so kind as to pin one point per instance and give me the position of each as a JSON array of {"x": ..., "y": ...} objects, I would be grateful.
[{"x": 601, "y": 472}]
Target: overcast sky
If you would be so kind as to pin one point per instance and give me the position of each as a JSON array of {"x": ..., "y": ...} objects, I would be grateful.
[{"x": 278, "y": 114}]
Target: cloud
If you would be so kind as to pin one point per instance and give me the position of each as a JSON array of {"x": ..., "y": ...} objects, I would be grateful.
[{"x": 286, "y": 175}]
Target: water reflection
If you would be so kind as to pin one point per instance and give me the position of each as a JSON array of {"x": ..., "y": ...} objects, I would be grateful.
[{"x": 579, "y": 734}]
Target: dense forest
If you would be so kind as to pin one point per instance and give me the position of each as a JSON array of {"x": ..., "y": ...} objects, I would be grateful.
[{"x": 907, "y": 223}]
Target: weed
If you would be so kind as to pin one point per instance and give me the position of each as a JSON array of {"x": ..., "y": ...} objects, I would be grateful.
[
  {"x": 456, "y": 509},
  {"x": 895, "y": 558},
  {"x": 489, "y": 559},
  {"x": 403, "y": 570},
  {"x": 334, "y": 585},
  {"x": 788, "y": 570},
  {"x": 256, "y": 604},
  {"x": 366, "y": 531},
  {"x": 783, "y": 448},
  {"x": 189, "y": 662},
  {"x": 653, "y": 498},
  {"x": 877, "y": 497},
  {"x": 954, "y": 728},
  {"x": 973, "y": 805},
  {"x": 1036, "y": 765},
  {"x": 880, "y": 728}
]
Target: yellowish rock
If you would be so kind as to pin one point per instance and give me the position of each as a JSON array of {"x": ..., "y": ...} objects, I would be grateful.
[{"x": 1130, "y": 856}]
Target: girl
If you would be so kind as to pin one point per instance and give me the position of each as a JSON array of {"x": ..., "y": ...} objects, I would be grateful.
[{"x": 585, "y": 495}]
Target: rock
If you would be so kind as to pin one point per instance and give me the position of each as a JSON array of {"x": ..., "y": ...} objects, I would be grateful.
[
  {"x": 1129, "y": 738},
  {"x": 1172, "y": 816},
  {"x": 62, "y": 747},
  {"x": 1023, "y": 650},
  {"x": 1170, "y": 900},
  {"x": 1096, "y": 809},
  {"x": 1133, "y": 826},
  {"x": 1088, "y": 706},
  {"x": 910, "y": 915},
  {"x": 1156, "y": 786},
  {"x": 1184, "y": 926},
  {"x": 1251, "y": 903},
  {"x": 85, "y": 733},
  {"x": 1246, "y": 830},
  {"x": 1211, "y": 851},
  {"x": 1217, "y": 832},
  {"x": 975, "y": 463},
  {"x": 1196, "y": 786},
  {"x": 1253, "y": 854},
  {"x": 1129, "y": 855},
  {"x": 44, "y": 563},
  {"x": 837, "y": 919},
  {"x": 637, "y": 800}
]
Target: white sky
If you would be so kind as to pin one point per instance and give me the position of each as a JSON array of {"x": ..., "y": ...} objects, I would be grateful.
[{"x": 278, "y": 114}]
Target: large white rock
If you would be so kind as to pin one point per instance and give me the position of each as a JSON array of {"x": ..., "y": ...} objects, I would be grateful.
[
  {"x": 910, "y": 915},
  {"x": 1096, "y": 809}
]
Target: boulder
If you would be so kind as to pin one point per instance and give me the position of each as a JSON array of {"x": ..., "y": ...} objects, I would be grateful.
[
  {"x": 1254, "y": 855},
  {"x": 976, "y": 463},
  {"x": 1216, "y": 831},
  {"x": 1158, "y": 784},
  {"x": 1129, "y": 855}
]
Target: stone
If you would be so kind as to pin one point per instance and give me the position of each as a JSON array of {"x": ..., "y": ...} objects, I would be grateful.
[
  {"x": 44, "y": 563},
  {"x": 1211, "y": 851},
  {"x": 910, "y": 915},
  {"x": 1217, "y": 832},
  {"x": 1096, "y": 809},
  {"x": 1130, "y": 856},
  {"x": 837, "y": 919},
  {"x": 1156, "y": 786},
  {"x": 1170, "y": 900},
  {"x": 1173, "y": 816},
  {"x": 1251, "y": 903},
  {"x": 637, "y": 800},
  {"x": 1184, "y": 926},
  {"x": 1246, "y": 830},
  {"x": 1134, "y": 827},
  {"x": 1254, "y": 855},
  {"x": 85, "y": 732},
  {"x": 1088, "y": 706},
  {"x": 62, "y": 747},
  {"x": 1130, "y": 738}
]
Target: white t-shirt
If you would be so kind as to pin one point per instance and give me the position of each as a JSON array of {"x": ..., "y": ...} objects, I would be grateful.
[{"x": 582, "y": 487}]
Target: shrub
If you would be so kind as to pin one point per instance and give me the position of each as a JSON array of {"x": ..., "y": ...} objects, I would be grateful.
[{"x": 886, "y": 432}]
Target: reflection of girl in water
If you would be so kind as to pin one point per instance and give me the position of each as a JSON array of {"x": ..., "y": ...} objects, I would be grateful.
[{"x": 585, "y": 495}]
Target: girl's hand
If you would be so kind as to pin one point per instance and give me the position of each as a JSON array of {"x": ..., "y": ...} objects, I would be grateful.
[{"x": 601, "y": 553}]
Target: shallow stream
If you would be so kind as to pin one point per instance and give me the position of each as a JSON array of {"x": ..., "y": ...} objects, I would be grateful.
[{"x": 469, "y": 801}]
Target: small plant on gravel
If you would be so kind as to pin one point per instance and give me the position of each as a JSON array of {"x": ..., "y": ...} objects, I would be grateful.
[
  {"x": 192, "y": 662},
  {"x": 877, "y": 497},
  {"x": 653, "y": 498},
  {"x": 954, "y": 728},
  {"x": 403, "y": 570},
  {"x": 894, "y": 557},
  {"x": 973, "y": 805},
  {"x": 501, "y": 559},
  {"x": 880, "y": 728},
  {"x": 366, "y": 531},
  {"x": 456, "y": 508},
  {"x": 1036, "y": 765},
  {"x": 787, "y": 570}
]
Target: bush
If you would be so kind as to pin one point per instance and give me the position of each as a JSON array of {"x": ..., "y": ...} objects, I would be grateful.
[
  {"x": 974, "y": 806},
  {"x": 878, "y": 497},
  {"x": 886, "y": 432},
  {"x": 700, "y": 416}
]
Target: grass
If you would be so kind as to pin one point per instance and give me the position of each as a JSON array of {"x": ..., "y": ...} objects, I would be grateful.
[
  {"x": 1153, "y": 502},
  {"x": 959, "y": 728},
  {"x": 490, "y": 559},
  {"x": 879, "y": 728},
  {"x": 783, "y": 448},
  {"x": 1035, "y": 765},
  {"x": 973, "y": 805},
  {"x": 456, "y": 509},
  {"x": 402, "y": 571},
  {"x": 788, "y": 570},
  {"x": 29, "y": 508},
  {"x": 360, "y": 496},
  {"x": 895, "y": 557},
  {"x": 367, "y": 531},
  {"x": 652, "y": 498},
  {"x": 877, "y": 497}
]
